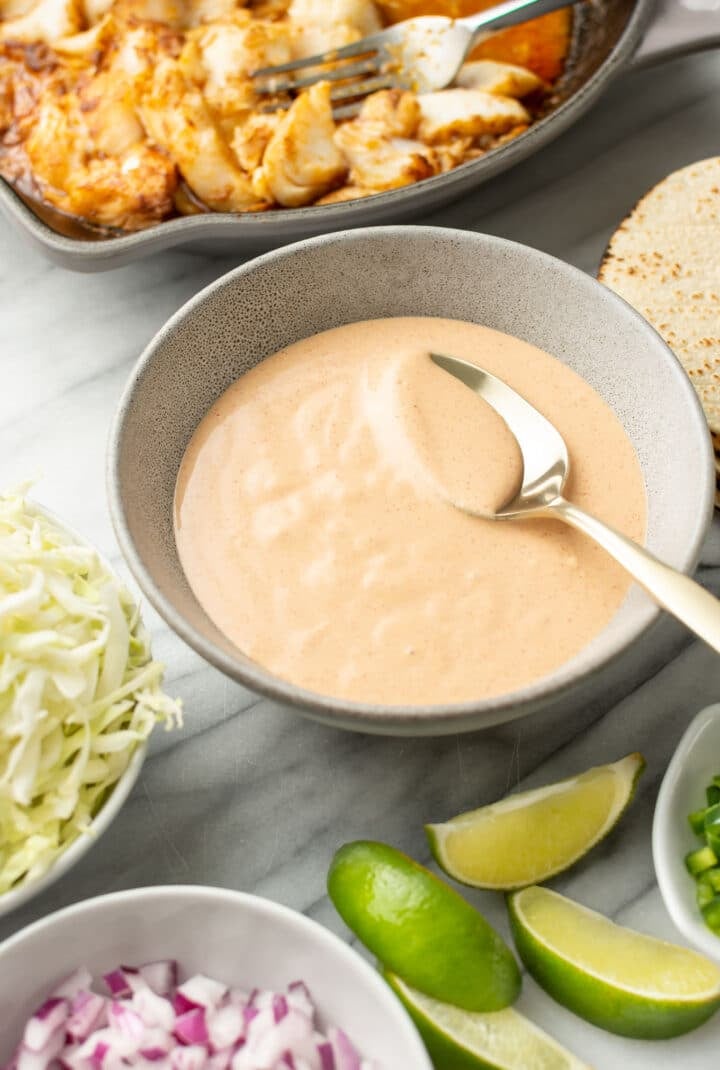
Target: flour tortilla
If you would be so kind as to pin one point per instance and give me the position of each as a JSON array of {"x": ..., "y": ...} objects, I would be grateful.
[{"x": 664, "y": 259}]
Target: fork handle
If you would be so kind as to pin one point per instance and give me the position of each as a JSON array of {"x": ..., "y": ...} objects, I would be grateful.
[
  {"x": 511, "y": 13},
  {"x": 675, "y": 592}
]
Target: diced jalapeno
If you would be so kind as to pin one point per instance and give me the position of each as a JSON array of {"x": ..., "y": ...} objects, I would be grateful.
[
  {"x": 697, "y": 822},
  {"x": 698, "y": 861}
]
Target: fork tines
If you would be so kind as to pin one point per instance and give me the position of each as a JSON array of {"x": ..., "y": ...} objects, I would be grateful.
[{"x": 344, "y": 65}]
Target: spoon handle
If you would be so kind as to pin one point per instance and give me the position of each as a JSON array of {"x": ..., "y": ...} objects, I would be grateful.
[{"x": 674, "y": 591}]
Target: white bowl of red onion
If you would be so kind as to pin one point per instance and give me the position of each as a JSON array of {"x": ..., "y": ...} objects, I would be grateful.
[{"x": 191, "y": 978}]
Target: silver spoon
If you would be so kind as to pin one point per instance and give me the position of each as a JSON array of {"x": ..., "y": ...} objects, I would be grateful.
[{"x": 546, "y": 465}]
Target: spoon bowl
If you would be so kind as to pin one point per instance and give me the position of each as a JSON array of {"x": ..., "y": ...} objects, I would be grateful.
[
  {"x": 545, "y": 468},
  {"x": 546, "y": 463}
]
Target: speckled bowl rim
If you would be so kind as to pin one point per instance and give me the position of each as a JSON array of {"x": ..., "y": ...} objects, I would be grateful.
[{"x": 375, "y": 717}]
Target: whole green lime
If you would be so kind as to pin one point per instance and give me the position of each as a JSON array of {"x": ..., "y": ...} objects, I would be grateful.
[{"x": 421, "y": 929}]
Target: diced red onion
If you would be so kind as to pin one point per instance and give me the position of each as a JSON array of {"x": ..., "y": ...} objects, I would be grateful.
[
  {"x": 97, "y": 1056},
  {"x": 136, "y": 981},
  {"x": 225, "y": 1027},
  {"x": 150, "y": 1022},
  {"x": 346, "y": 1054},
  {"x": 202, "y": 991},
  {"x": 126, "y": 1021},
  {"x": 299, "y": 997},
  {"x": 160, "y": 976},
  {"x": 327, "y": 1058},
  {"x": 117, "y": 983},
  {"x": 249, "y": 1013},
  {"x": 68, "y": 1059},
  {"x": 279, "y": 1008},
  {"x": 79, "y": 980},
  {"x": 193, "y": 1057},
  {"x": 97, "y": 1045},
  {"x": 41, "y": 1058},
  {"x": 154, "y": 1010},
  {"x": 220, "y": 1060},
  {"x": 48, "y": 1018},
  {"x": 182, "y": 1003},
  {"x": 267, "y": 1040},
  {"x": 190, "y": 1028},
  {"x": 87, "y": 1012}
]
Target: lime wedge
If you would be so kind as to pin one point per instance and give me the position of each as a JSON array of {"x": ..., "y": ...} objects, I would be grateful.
[
  {"x": 528, "y": 837},
  {"x": 467, "y": 1040},
  {"x": 420, "y": 928},
  {"x": 618, "y": 979}
]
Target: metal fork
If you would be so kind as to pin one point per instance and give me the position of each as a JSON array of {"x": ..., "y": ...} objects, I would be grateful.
[{"x": 421, "y": 54}]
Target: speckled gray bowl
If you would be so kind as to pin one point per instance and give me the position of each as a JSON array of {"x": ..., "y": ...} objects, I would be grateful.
[{"x": 390, "y": 271}]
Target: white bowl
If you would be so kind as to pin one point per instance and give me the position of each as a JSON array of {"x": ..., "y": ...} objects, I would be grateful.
[
  {"x": 696, "y": 761},
  {"x": 26, "y": 890},
  {"x": 240, "y": 939},
  {"x": 71, "y": 855}
]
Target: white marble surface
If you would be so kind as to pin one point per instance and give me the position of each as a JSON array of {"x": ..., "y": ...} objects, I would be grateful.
[{"x": 251, "y": 796}]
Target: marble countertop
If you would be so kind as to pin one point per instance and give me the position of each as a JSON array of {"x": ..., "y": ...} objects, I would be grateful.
[{"x": 251, "y": 796}]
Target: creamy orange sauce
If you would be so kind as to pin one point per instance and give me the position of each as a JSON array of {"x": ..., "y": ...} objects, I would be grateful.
[{"x": 315, "y": 523}]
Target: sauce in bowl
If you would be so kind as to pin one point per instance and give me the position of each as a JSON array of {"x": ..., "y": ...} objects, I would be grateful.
[{"x": 315, "y": 520}]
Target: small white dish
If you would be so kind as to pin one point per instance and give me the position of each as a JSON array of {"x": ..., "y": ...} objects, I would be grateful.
[
  {"x": 241, "y": 939},
  {"x": 695, "y": 762}
]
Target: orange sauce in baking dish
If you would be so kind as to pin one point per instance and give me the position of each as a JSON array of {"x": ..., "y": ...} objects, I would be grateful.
[{"x": 541, "y": 45}]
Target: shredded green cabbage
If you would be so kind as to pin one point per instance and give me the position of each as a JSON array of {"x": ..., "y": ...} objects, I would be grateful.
[{"x": 78, "y": 688}]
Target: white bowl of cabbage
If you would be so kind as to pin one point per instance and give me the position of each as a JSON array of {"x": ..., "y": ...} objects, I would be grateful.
[{"x": 79, "y": 696}]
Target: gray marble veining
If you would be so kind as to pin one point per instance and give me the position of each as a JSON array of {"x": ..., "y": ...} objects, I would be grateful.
[{"x": 250, "y": 796}]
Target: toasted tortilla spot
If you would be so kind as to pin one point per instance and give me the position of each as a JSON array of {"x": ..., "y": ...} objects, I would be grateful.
[{"x": 664, "y": 259}]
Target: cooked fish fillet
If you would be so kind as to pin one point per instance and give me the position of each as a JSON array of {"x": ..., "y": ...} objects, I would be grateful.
[
  {"x": 84, "y": 45},
  {"x": 394, "y": 112},
  {"x": 345, "y": 193},
  {"x": 178, "y": 120},
  {"x": 319, "y": 25},
  {"x": 252, "y": 136},
  {"x": 168, "y": 12},
  {"x": 131, "y": 189},
  {"x": 362, "y": 15},
  {"x": 198, "y": 12},
  {"x": 126, "y": 112},
  {"x": 95, "y": 10},
  {"x": 229, "y": 50},
  {"x": 13, "y": 9},
  {"x": 467, "y": 113},
  {"x": 302, "y": 161},
  {"x": 502, "y": 79},
  {"x": 109, "y": 107},
  {"x": 378, "y": 162},
  {"x": 45, "y": 21}
]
